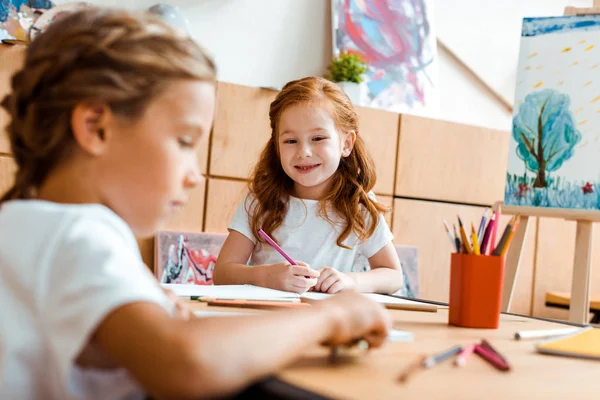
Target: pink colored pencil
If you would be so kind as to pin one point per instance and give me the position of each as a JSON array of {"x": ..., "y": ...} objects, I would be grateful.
[
  {"x": 276, "y": 247},
  {"x": 461, "y": 360},
  {"x": 279, "y": 249}
]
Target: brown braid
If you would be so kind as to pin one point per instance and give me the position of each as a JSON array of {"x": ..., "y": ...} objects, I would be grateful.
[{"x": 118, "y": 58}]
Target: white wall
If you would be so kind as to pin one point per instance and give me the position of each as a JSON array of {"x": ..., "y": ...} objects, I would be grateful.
[{"x": 269, "y": 42}]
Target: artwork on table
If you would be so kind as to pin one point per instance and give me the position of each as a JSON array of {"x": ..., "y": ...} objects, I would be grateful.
[
  {"x": 554, "y": 147},
  {"x": 397, "y": 41},
  {"x": 186, "y": 257}
]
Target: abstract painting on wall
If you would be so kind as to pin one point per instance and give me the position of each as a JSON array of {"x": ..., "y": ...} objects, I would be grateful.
[
  {"x": 554, "y": 153},
  {"x": 397, "y": 41},
  {"x": 18, "y": 16},
  {"x": 186, "y": 257}
]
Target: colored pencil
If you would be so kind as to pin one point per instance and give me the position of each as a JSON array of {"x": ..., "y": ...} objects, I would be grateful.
[
  {"x": 482, "y": 227},
  {"x": 475, "y": 241},
  {"x": 462, "y": 358},
  {"x": 457, "y": 240},
  {"x": 502, "y": 240},
  {"x": 463, "y": 235},
  {"x": 451, "y": 236},
  {"x": 489, "y": 346},
  {"x": 412, "y": 368},
  {"x": 444, "y": 355},
  {"x": 504, "y": 249},
  {"x": 487, "y": 235},
  {"x": 495, "y": 231},
  {"x": 276, "y": 247},
  {"x": 544, "y": 333},
  {"x": 491, "y": 357}
]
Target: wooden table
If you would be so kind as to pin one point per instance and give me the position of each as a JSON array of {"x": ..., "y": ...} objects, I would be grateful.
[{"x": 374, "y": 375}]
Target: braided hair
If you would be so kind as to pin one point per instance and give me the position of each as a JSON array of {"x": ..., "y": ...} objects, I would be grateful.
[{"x": 118, "y": 58}]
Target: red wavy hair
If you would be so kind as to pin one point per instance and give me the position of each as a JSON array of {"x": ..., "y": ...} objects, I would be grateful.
[{"x": 351, "y": 183}]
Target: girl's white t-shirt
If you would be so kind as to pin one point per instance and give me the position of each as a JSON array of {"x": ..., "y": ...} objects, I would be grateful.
[
  {"x": 306, "y": 236},
  {"x": 63, "y": 269}
]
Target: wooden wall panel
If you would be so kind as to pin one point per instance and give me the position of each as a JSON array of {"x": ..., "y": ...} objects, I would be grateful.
[
  {"x": 554, "y": 267},
  {"x": 379, "y": 129},
  {"x": 446, "y": 161},
  {"x": 388, "y": 201},
  {"x": 7, "y": 173},
  {"x": 222, "y": 199},
  {"x": 419, "y": 223},
  {"x": 11, "y": 59},
  {"x": 241, "y": 129},
  {"x": 189, "y": 219}
]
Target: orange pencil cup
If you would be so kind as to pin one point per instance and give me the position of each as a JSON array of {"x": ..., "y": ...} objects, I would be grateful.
[{"x": 475, "y": 290}]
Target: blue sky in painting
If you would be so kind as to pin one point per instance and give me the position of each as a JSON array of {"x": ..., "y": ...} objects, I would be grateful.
[{"x": 546, "y": 25}]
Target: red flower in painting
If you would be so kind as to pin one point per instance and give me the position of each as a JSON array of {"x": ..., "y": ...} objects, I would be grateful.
[
  {"x": 588, "y": 188},
  {"x": 523, "y": 189}
]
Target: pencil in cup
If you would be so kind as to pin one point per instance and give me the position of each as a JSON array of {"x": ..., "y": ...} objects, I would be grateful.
[
  {"x": 485, "y": 242},
  {"x": 279, "y": 249},
  {"x": 463, "y": 235},
  {"x": 506, "y": 237},
  {"x": 475, "y": 240},
  {"x": 455, "y": 242}
]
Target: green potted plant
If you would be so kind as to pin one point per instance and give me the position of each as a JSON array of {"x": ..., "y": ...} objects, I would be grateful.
[{"x": 346, "y": 70}]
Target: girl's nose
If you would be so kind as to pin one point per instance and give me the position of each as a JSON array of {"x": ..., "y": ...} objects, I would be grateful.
[{"x": 193, "y": 178}]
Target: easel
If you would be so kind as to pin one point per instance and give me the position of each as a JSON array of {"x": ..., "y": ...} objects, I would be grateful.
[{"x": 580, "y": 283}]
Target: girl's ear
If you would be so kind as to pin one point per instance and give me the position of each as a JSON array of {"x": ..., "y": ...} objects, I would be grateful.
[
  {"x": 88, "y": 124},
  {"x": 348, "y": 144}
]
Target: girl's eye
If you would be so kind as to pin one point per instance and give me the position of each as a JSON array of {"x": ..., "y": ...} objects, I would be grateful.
[
  {"x": 319, "y": 138},
  {"x": 186, "y": 141},
  {"x": 290, "y": 141}
]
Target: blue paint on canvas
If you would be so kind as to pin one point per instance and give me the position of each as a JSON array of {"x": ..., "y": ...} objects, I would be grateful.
[{"x": 546, "y": 25}]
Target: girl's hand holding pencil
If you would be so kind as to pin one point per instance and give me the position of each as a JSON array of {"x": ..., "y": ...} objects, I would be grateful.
[
  {"x": 290, "y": 278},
  {"x": 485, "y": 245}
]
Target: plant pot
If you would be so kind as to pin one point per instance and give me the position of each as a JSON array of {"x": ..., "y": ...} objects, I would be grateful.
[{"x": 352, "y": 90}]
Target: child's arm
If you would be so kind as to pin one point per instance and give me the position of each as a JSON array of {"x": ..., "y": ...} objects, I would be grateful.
[
  {"x": 231, "y": 268},
  {"x": 385, "y": 275},
  {"x": 208, "y": 357}
]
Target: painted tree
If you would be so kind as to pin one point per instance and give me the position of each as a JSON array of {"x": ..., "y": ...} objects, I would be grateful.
[{"x": 545, "y": 133}]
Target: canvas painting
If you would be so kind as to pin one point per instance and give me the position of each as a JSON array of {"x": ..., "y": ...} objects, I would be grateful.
[
  {"x": 186, "y": 257},
  {"x": 554, "y": 148},
  {"x": 397, "y": 41}
]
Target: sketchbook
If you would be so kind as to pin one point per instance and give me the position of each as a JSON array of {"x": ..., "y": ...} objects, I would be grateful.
[
  {"x": 585, "y": 343},
  {"x": 247, "y": 292}
]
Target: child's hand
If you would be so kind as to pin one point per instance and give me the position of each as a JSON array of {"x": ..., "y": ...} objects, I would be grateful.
[
  {"x": 182, "y": 310},
  {"x": 355, "y": 316},
  {"x": 290, "y": 278},
  {"x": 332, "y": 281}
]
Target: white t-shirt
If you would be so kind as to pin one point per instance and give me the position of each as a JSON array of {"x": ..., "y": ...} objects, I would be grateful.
[
  {"x": 63, "y": 268},
  {"x": 306, "y": 236}
]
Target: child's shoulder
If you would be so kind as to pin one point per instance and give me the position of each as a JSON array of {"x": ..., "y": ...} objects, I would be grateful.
[{"x": 40, "y": 218}]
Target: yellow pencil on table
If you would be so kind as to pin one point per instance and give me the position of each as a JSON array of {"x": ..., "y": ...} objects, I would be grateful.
[
  {"x": 475, "y": 241},
  {"x": 463, "y": 235}
]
